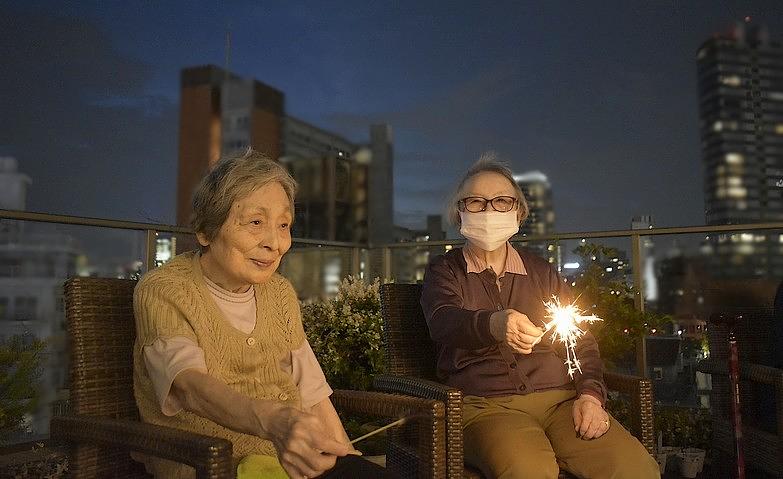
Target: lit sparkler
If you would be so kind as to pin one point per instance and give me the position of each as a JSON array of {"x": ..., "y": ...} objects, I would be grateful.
[{"x": 564, "y": 322}]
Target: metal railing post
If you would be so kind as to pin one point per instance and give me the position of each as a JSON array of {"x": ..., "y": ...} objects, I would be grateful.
[
  {"x": 386, "y": 260},
  {"x": 355, "y": 261},
  {"x": 150, "y": 249},
  {"x": 638, "y": 301}
]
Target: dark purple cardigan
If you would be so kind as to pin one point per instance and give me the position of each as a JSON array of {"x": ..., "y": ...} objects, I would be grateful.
[{"x": 458, "y": 304}]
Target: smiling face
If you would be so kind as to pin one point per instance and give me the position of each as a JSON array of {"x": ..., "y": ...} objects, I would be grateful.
[{"x": 251, "y": 242}]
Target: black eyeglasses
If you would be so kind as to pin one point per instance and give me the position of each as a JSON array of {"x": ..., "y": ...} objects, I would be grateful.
[{"x": 477, "y": 204}]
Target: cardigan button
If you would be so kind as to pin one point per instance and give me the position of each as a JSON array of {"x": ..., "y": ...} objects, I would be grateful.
[
  {"x": 513, "y": 365},
  {"x": 251, "y": 341}
]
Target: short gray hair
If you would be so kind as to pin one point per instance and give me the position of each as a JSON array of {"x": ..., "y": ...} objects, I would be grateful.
[
  {"x": 231, "y": 179},
  {"x": 487, "y": 163}
]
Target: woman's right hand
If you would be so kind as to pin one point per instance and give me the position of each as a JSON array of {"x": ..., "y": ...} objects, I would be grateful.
[
  {"x": 304, "y": 446},
  {"x": 515, "y": 329}
]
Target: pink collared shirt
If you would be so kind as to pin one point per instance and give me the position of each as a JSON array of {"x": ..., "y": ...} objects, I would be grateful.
[{"x": 476, "y": 263}]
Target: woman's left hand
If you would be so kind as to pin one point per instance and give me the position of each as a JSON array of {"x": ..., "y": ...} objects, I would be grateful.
[{"x": 590, "y": 419}]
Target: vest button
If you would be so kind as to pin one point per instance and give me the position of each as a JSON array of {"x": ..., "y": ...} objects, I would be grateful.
[
  {"x": 513, "y": 365},
  {"x": 251, "y": 341}
]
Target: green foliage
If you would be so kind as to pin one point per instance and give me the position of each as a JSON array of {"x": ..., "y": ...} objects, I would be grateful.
[
  {"x": 684, "y": 427},
  {"x": 20, "y": 368},
  {"x": 612, "y": 300},
  {"x": 345, "y": 334}
]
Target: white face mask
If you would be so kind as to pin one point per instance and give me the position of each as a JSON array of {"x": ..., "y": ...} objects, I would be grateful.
[{"x": 488, "y": 229}]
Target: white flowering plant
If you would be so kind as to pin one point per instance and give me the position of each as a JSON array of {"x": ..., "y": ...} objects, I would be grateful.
[{"x": 345, "y": 333}]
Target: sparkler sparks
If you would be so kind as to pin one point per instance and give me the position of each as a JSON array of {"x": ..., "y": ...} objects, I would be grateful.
[{"x": 564, "y": 322}]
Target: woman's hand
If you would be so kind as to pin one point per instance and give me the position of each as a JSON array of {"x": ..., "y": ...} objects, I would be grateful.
[
  {"x": 515, "y": 329},
  {"x": 590, "y": 419},
  {"x": 304, "y": 446}
]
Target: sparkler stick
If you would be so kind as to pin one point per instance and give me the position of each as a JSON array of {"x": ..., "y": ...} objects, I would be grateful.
[
  {"x": 398, "y": 422},
  {"x": 564, "y": 322}
]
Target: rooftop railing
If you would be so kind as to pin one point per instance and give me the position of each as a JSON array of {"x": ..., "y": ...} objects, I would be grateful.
[{"x": 315, "y": 267}]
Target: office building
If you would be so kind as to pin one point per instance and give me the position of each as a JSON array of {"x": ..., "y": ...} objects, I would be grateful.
[
  {"x": 740, "y": 75},
  {"x": 541, "y": 220},
  {"x": 346, "y": 188}
]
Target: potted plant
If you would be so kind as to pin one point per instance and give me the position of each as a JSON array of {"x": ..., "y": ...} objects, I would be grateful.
[
  {"x": 345, "y": 333},
  {"x": 684, "y": 435},
  {"x": 20, "y": 368}
]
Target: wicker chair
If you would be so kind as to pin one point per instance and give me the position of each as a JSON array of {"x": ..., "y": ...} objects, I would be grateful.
[
  {"x": 104, "y": 426},
  {"x": 411, "y": 361},
  {"x": 761, "y": 390}
]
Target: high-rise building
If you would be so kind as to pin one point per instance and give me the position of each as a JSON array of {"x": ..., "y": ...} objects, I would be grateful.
[
  {"x": 541, "y": 220},
  {"x": 741, "y": 111},
  {"x": 346, "y": 189},
  {"x": 221, "y": 113}
]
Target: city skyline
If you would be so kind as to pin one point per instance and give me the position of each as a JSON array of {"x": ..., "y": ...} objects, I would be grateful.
[{"x": 601, "y": 99}]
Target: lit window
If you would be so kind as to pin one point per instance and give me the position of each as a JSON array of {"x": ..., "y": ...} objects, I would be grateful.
[
  {"x": 779, "y": 128},
  {"x": 734, "y": 181},
  {"x": 717, "y": 126},
  {"x": 746, "y": 238},
  {"x": 609, "y": 270},
  {"x": 734, "y": 158},
  {"x": 737, "y": 192},
  {"x": 731, "y": 80},
  {"x": 701, "y": 54},
  {"x": 776, "y": 95}
]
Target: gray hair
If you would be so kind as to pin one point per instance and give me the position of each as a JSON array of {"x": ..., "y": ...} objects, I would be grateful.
[
  {"x": 231, "y": 179},
  {"x": 487, "y": 163}
]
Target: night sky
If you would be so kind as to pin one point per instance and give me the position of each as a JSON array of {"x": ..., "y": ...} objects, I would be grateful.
[{"x": 600, "y": 97}]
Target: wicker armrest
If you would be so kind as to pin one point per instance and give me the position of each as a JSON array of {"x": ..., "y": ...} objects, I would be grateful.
[
  {"x": 452, "y": 399},
  {"x": 749, "y": 371},
  {"x": 417, "y": 387},
  {"x": 641, "y": 408},
  {"x": 210, "y": 456},
  {"x": 427, "y": 431}
]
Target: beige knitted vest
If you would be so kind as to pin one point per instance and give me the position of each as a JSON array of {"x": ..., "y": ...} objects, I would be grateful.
[{"x": 173, "y": 300}]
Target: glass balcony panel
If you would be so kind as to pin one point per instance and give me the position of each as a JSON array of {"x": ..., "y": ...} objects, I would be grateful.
[{"x": 35, "y": 260}]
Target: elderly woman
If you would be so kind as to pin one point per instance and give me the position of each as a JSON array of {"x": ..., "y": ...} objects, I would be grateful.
[
  {"x": 523, "y": 416},
  {"x": 220, "y": 347}
]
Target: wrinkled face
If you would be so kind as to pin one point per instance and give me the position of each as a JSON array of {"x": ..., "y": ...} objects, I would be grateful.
[{"x": 252, "y": 241}]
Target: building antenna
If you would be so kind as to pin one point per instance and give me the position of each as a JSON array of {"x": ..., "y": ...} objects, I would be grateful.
[{"x": 228, "y": 49}]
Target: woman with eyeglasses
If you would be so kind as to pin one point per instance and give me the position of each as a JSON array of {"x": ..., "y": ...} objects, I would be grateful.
[{"x": 523, "y": 415}]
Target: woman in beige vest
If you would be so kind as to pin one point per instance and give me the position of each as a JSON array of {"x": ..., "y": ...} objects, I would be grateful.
[{"x": 220, "y": 348}]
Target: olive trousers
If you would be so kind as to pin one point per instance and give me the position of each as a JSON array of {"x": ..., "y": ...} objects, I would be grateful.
[{"x": 532, "y": 436}]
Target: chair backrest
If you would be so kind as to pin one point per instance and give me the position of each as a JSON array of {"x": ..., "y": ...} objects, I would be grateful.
[
  {"x": 99, "y": 313},
  {"x": 409, "y": 349}
]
